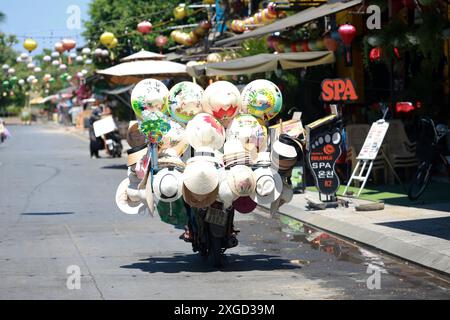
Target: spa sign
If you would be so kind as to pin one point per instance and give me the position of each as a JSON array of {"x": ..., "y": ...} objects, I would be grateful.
[
  {"x": 324, "y": 150},
  {"x": 338, "y": 90}
]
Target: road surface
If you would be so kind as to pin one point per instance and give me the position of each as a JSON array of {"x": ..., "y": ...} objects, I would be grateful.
[{"x": 57, "y": 211}]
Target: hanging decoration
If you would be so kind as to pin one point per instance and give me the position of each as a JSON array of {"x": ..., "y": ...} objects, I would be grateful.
[
  {"x": 347, "y": 32},
  {"x": 30, "y": 45},
  {"x": 106, "y": 38},
  {"x": 180, "y": 12},
  {"x": 375, "y": 54},
  {"x": 263, "y": 17},
  {"x": 59, "y": 47},
  {"x": 281, "y": 45},
  {"x": 145, "y": 27},
  {"x": 193, "y": 37}
]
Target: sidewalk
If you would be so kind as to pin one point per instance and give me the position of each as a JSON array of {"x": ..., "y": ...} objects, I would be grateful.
[{"x": 417, "y": 234}]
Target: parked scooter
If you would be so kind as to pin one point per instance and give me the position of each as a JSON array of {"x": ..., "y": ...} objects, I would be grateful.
[{"x": 113, "y": 143}]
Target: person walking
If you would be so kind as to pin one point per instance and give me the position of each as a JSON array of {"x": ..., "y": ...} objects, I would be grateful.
[{"x": 96, "y": 143}]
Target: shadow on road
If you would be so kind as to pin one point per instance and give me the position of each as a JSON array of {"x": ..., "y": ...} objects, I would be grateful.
[
  {"x": 116, "y": 166},
  {"x": 435, "y": 227},
  {"x": 46, "y": 213},
  {"x": 195, "y": 263}
]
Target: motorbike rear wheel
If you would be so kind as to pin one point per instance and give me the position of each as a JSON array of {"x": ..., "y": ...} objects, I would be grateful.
[{"x": 215, "y": 251}]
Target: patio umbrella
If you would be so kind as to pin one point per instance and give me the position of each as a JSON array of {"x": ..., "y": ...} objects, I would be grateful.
[{"x": 143, "y": 65}]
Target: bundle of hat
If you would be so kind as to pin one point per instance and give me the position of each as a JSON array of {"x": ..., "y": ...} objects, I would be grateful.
[{"x": 231, "y": 163}]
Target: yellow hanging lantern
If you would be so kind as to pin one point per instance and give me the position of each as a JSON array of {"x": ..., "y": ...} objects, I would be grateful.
[
  {"x": 180, "y": 12},
  {"x": 30, "y": 45},
  {"x": 113, "y": 43},
  {"x": 106, "y": 38}
]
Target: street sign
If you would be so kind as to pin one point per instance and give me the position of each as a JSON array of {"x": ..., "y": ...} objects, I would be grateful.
[{"x": 374, "y": 140}]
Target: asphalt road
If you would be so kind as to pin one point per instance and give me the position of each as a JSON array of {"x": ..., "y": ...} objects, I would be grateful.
[{"x": 57, "y": 210}]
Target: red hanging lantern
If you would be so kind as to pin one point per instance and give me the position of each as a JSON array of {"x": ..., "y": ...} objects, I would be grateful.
[
  {"x": 375, "y": 54},
  {"x": 59, "y": 47},
  {"x": 397, "y": 53},
  {"x": 347, "y": 32},
  {"x": 161, "y": 41},
  {"x": 68, "y": 44},
  {"x": 145, "y": 27},
  {"x": 330, "y": 44}
]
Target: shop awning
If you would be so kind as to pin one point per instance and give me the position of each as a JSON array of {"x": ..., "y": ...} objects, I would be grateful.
[
  {"x": 296, "y": 19},
  {"x": 118, "y": 90},
  {"x": 263, "y": 63}
]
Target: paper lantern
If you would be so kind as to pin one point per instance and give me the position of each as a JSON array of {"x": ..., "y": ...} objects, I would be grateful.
[
  {"x": 88, "y": 61},
  {"x": 5, "y": 84},
  {"x": 11, "y": 71},
  {"x": 62, "y": 67},
  {"x": 79, "y": 59},
  {"x": 174, "y": 139},
  {"x": 184, "y": 101},
  {"x": 21, "y": 82},
  {"x": 113, "y": 43},
  {"x": 84, "y": 72},
  {"x": 30, "y": 45},
  {"x": 31, "y": 66},
  {"x": 180, "y": 12},
  {"x": 5, "y": 67},
  {"x": 161, "y": 41},
  {"x": 347, "y": 32},
  {"x": 86, "y": 51},
  {"x": 205, "y": 131},
  {"x": 149, "y": 94},
  {"x": 59, "y": 47},
  {"x": 145, "y": 27},
  {"x": 262, "y": 99},
  {"x": 55, "y": 63},
  {"x": 155, "y": 125},
  {"x": 68, "y": 44},
  {"x": 98, "y": 52},
  {"x": 106, "y": 38},
  {"x": 55, "y": 54},
  {"x": 37, "y": 70},
  {"x": 47, "y": 58},
  {"x": 249, "y": 131},
  {"x": 105, "y": 53},
  {"x": 214, "y": 58},
  {"x": 375, "y": 54},
  {"x": 222, "y": 100}
]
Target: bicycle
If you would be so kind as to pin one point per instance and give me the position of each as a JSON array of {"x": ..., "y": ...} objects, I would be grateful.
[{"x": 429, "y": 151}]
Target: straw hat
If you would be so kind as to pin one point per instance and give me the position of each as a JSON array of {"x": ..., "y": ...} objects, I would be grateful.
[
  {"x": 226, "y": 196},
  {"x": 184, "y": 101},
  {"x": 222, "y": 100},
  {"x": 170, "y": 159},
  {"x": 135, "y": 154},
  {"x": 200, "y": 183},
  {"x": 250, "y": 132},
  {"x": 168, "y": 185},
  {"x": 262, "y": 98},
  {"x": 124, "y": 203},
  {"x": 234, "y": 153},
  {"x": 244, "y": 205},
  {"x": 205, "y": 131},
  {"x": 135, "y": 138},
  {"x": 268, "y": 185},
  {"x": 263, "y": 159},
  {"x": 241, "y": 180},
  {"x": 174, "y": 139}
]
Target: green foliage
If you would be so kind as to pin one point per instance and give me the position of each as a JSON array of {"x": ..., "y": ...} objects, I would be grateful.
[{"x": 121, "y": 18}]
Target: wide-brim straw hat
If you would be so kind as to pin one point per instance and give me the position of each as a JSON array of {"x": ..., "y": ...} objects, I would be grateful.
[
  {"x": 244, "y": 205},
  {"x": 199, "y": 201},
  {"x": 226, "y": 196},
  {"x": 269, "y": 185},
  {"x": 135, "y": 154},
  {"x": 135, "y": 137},
  {"x": 205, "y": 131},
  {"x": 241, "y": 180},
  {"x": 168, "y": 185},
  {"x": 124, "y": 203},
  {"x": 201, "y": 177},
  {"x": 170, "y": 159}
]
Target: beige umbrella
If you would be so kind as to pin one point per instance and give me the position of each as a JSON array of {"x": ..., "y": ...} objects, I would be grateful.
[{"x": 143, "y": 65}]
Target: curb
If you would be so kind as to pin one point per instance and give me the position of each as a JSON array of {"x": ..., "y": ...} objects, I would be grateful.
[{"x": 405, "y": 250}]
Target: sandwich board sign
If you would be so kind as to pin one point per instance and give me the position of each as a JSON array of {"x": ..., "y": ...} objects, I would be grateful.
[
  {"x": 374, "y": 140},
  {"x": 368, "y": 154}
]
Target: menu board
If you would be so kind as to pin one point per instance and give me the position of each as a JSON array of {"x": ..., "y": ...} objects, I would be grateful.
[{"x": 374, "y": 140}]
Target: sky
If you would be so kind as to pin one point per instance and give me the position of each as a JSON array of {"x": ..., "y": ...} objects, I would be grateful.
[{"x": 47, "y": 21}]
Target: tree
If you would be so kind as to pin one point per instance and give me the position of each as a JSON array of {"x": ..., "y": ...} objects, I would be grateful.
[{"x": 121, "y": 18}]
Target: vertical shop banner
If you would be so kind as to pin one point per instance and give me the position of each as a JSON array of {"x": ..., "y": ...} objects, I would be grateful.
[{"x": 324, "y": 150}]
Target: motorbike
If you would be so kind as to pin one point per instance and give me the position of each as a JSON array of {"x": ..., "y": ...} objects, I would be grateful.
[
  {"x": 113, "y": 143},
  {"x": 211, "y": 232}
]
